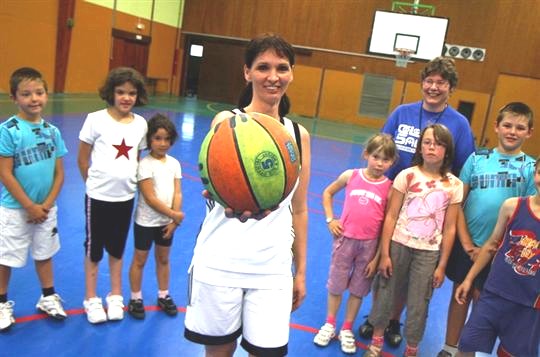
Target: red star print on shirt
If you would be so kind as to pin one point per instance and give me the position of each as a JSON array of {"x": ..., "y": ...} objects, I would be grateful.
[{"x": 123, "y": 149}]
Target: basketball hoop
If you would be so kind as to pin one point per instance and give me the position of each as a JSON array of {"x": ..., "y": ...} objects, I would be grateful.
[{"x": 402, "y": 56}]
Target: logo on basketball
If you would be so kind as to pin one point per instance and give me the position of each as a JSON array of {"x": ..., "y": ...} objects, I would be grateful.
[
  {"x": 291, "y": 148},
  {"x": 266, "y": 164}
]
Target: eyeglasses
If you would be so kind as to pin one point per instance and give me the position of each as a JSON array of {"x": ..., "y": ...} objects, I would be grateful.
[
  {"x": 436, "y": 144},
  {"x": 438, "y": 84}
]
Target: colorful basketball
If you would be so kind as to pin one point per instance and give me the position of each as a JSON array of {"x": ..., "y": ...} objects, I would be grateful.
[{"x": 249, "y": 162}]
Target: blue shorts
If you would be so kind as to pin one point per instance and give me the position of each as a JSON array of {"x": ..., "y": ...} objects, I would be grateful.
[
  {"x": 459, "y": 264},
  {"x": 517, "y": 326}
]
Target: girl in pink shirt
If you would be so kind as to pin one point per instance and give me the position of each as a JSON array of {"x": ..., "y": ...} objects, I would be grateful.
[{"x": 356, "y": 233}]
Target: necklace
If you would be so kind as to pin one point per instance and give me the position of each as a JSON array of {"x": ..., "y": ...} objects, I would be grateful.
[{"x": 434, "y": 120}]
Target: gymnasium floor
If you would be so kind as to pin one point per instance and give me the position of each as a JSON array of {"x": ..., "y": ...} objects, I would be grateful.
[{"x": 334, "y": 149}]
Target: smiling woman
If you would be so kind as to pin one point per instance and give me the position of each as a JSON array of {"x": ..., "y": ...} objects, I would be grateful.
[
  {"x": 246, "y": 263},
  {"x": 439, "y": 80}
]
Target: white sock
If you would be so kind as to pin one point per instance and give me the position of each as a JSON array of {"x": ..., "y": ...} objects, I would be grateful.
[
  {"x": 163, "y": 293},
  {"x": 136, "y": 295},
  {"x": 450, "y": 349}
]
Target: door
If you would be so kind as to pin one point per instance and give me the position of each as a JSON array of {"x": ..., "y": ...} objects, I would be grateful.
[{"x": 129, "y": 50}]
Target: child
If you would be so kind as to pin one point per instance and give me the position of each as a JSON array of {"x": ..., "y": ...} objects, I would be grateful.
[
  {"x": 32, "y": 172},
  {"x": 354, "y": 261},
  {"x": 489, "y": 177},
  {"x": 509, "y": 306},
  {"x": 418, "y": 234},
  {"x": 110, "y": 142},
  {"x": 158, "y": 213}
]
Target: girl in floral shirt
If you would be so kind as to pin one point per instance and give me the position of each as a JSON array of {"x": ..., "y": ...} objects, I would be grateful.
[{"x": 417, "y": 237}]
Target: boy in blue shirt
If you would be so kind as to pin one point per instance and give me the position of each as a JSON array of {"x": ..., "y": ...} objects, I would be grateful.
[
  {"x": 32, "y": 173},
  {"x": 490, "y": 176}
]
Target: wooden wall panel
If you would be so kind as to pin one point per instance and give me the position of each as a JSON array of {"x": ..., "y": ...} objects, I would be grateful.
[
  {"x": 90, "y": 46},
  {"x": 127, "y": 22},
  {"x": 341, "y": 96},
  {"x": 304, "y": 90},
  {"x": 511, "y": 89},
  {"x": 481, "y": 104},
  {"x": 345, "y": 25},
  {"x": 27, "y": 38},
  {"x": 161, "y": 57},
  {"x": 221, "y": 78}
]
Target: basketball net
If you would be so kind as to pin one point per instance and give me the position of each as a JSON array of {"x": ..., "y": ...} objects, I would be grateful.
[{"x": 402, "y": 56}]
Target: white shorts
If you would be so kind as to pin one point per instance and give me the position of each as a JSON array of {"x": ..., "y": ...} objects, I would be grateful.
[
  {"x": 218, "y": 315},
  {"x": 17, "y": 237}
]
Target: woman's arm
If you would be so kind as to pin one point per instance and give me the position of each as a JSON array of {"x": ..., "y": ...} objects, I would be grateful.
[{"x": 300, "y": 222}]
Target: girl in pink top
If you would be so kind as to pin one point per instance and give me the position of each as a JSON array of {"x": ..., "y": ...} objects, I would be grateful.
[{"x": 356, "y": 233}]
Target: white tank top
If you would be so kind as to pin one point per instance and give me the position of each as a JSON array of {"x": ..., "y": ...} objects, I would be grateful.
[{"x": 254, "y": 254}]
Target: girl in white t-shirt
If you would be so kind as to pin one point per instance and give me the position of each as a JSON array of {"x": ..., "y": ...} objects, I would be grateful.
[
  {"x": 157, "y": 215},
  {"x": 417, "y": 237},
  {"x": 110, "y": 142}
]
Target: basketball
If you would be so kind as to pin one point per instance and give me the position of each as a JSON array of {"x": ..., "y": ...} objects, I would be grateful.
[{"x": 249, "y": 162}]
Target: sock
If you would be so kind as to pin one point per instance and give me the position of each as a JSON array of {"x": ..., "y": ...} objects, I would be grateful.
[
  {"x": 347, "y": 325},
  {"x": 48, "y": 291},
  {"x": 450, "y": 349},
  {"x": 410, "y": 351},
  {"x": 331, "y": 320},
  {"x": 136, "y": 295},
  {"x": 162, "y": 294},
  {"x": 377, "y": 341},
  {"x": 3, "y": 298}
]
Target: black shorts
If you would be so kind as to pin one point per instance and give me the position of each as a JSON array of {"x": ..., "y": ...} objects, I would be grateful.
[
  {"x": 459, "y": 264},
  {"x": 107, "y": 226},
  {"x": 145, "y": 236}
]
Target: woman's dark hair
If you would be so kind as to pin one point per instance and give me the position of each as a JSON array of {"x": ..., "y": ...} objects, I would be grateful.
[
  {"x": 257, "y": 46},
  {"x": 443, "y": 137},
  {"x": 160, "y": 121},
  {"x": 119, "y": 76}
]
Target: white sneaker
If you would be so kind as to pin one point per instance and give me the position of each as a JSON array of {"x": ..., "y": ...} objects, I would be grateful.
[
  {"x": 6, "y": 315},
  {"x": 348, "y": 344},
  {"x": 325, "y": 334},
  {"x": 94, "y": 310},
  {"x": 115, "y": 307},
  {"x": 52, "y": 306}
]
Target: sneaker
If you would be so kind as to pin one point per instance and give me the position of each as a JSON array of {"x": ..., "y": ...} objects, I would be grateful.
[
  {"x": 373, "y": 351},
  {"x": 6, "y": 315},
  {"x": 392, "y": 334},
  {"x": 136, "y": 308},
  {"x": 444, "y": 353},
  {"x": 348, "y": 344},
  {"x": 115, "y": 307},
  {"x": 94, "y": 310},
  {"x": 52, "y": 306},
  {"x": 325, "y": 334},
  {"x": 366, "y": 330},
  {"x": 167, "y": 304}
]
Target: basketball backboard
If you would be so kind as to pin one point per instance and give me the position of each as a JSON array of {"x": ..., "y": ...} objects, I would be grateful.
[{"x": 423, "y": 35}]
